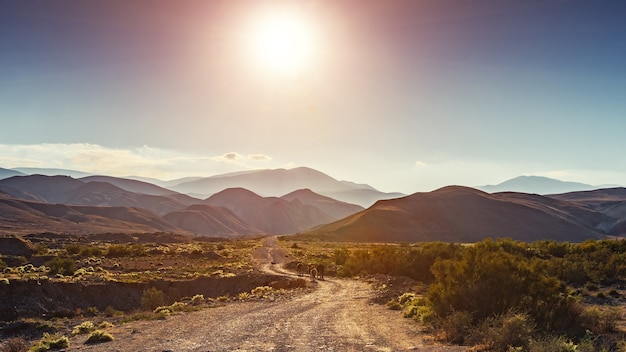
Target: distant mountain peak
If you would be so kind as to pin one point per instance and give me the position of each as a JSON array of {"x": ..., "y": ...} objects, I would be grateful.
[{"x": 536, "y": 185}]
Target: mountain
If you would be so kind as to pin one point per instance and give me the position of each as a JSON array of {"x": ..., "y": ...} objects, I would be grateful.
[
  {"x": 22, "y": 217},
  {"x": 107, "y": 195},
  {"x": 210, "y": 221},
  {"x": 6, "y": 173},
  {"x": 142, "y": 187},
  {"x": 51, "y": 172},
  {"x": 272, "y": 215},
  {"x": 334, "y": 208},
  {"x": 277, "y": 182},
  {"x": 537, "y": 185},
  {"x": 462, "y": 214},
  {"x": 131, "y": 185},
  {"x": 39, "y": 187},
  {"x": 252, "y": 213}
]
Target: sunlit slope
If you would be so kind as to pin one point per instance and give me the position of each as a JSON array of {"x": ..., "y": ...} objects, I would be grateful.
[
  {"x": 20, "y": 216},
  {"x": 461, "y": 214}
]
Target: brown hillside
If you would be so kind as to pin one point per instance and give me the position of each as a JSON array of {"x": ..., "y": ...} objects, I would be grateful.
[
  {"x": 108, "y": 195},
  {"x": 209, "y": 220},
  {"x": 458, "y": 214},
  {"x": 42, "y": 187},
  {"x": 334, "y": 208},
  {"x": 22, "y": 217},
  {"x": 271, "y": 215}
]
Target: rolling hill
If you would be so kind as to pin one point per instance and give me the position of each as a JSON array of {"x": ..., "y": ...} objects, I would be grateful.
[
  {"x": 336, "y": 209},
  {"x": 107, "y": 195},
  {"x": 462, "y": 214},
  {"x": 270, "y": 214},
  {"x": 22, "y": 217},
  {"x": 210, "y": 221},
  {"x": 39, "y": 187}
]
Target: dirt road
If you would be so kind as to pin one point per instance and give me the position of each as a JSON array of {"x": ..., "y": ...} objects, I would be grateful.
[{"x": 336, "y": 316}]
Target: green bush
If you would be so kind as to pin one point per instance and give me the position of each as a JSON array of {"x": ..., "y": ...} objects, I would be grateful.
[
  {"x": 72, "y": 248},
  {"x": 84, "y": 328},
  {"x": 99, "y": 336},
  {"x": 50, "y": 342},
  {"x": 393, "y": 305},
  {"x": 488, "y": 281},
  {"x": 152, "y": 298},
  {"x": 64, "y": 266},
  {"x": 90, "y": 251},
  {"x": 123, "y": 250},
  {"x": 3, "y": 265}
]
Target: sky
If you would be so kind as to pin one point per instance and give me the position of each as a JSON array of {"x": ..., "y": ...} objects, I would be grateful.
[{"x": 405, "y": 96}]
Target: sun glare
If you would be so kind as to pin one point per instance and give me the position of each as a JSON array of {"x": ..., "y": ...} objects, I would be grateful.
[{"x": 283, "y": 42}]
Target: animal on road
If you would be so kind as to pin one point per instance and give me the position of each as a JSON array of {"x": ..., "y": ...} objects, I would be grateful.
[
  {"x": 313, "y": 273},
  {"x": 300, "y": 268},
  {"x": 320, "y": 271}
]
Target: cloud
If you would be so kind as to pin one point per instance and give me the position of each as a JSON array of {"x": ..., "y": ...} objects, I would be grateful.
[
  {"x": 140, "y": 161},
  {"x": 229, "y": 157},
  {"x": 420, "y": 164},
  {"x": 259, "y": 157}
]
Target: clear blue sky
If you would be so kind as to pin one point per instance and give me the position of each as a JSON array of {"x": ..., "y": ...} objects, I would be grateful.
[{"x": 403, "y": 95}]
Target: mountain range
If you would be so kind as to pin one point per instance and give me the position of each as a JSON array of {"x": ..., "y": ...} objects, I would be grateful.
[
  {"x": 274, "y": 182},
  {"x": 539, "y": 185},
  {"x": 93, "y": 204},
  {"x": 230, "y": 212}
]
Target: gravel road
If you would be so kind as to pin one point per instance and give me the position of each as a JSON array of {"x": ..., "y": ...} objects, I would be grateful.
[{"x": 336, "y": 316}]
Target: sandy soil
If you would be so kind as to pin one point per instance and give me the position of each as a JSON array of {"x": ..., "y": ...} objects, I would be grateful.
[{"x": 336, "y": 316}]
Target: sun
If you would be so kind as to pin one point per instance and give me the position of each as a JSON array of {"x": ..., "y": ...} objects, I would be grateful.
[{"x": 283, "y": 42}]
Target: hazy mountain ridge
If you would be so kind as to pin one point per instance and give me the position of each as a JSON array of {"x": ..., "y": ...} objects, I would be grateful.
[
  {"x": 278, "y": 182},
  {"x": 6, "y": 173},
  {"x": 536, "y": 184},
  {"x": 265, "y": 182}
]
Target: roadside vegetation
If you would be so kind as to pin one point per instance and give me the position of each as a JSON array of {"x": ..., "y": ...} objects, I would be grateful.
[
  {"x": 499, "y": 295},
  {"x": 73, "y": 259},
  {"x": 495, "y": 295}
]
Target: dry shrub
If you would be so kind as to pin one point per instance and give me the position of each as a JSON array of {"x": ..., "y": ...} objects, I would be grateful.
[
  {"x": 457, "y": 326},
  {"x": 16, "y": 344},
  {"x": 504, "y": 332},
  {"x": 152, "y": 298},
  {"x": 600, "y": 321}
]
